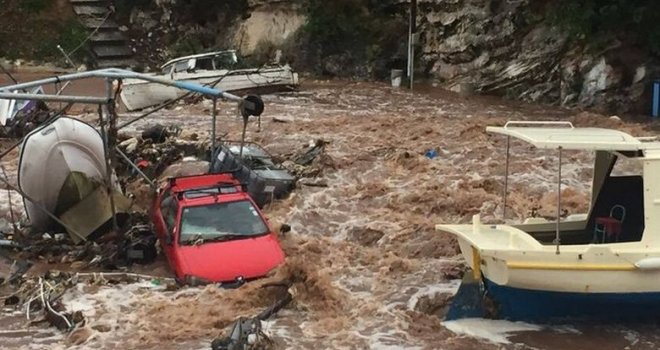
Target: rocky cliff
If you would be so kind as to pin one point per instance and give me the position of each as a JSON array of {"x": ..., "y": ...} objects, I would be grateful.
[
  {"x": 503, "y": 47},
  {"x": 510, "y": 48}
]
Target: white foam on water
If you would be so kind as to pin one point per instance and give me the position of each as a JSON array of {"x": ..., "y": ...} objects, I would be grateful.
[
  {"x": 565, "y": 329},
  {"x": 494, "y": 331}
]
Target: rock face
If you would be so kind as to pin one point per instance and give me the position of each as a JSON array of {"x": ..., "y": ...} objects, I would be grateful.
[
  {"x": 167, "y": 28},
  {"x": 489, "y": 44},
  {"x": 269, "y": 24},
  {"x": 500, "y": 47},
  {"x": 506, "y": 48}
]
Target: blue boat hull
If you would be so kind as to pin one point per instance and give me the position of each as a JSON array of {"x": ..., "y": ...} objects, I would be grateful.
[{"x": 532, "y": 305}]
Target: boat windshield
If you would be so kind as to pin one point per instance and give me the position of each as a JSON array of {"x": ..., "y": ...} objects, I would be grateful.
[
  {"x": 221, "y": 221},
  {"x": 227, "y": 60}
]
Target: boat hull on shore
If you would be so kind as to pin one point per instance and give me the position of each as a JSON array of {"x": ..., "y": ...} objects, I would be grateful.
[{"x": 139, "y": 94}]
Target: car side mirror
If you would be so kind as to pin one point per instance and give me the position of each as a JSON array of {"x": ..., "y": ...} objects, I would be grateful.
[{"x": 285, "y": 228}]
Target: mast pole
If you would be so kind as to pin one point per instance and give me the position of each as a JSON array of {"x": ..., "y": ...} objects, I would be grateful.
[
  {"x": 506, "y": 176},
  {"x": 557, "y": 238}
]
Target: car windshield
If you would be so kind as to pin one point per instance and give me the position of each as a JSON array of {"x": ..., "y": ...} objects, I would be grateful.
[{"x": 217, "y": 221}]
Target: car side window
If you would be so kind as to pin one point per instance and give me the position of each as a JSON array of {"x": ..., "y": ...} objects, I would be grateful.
[{"x": 168, "y": 210}]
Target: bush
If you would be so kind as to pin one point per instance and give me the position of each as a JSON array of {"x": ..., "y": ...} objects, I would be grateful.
[
  {"x": 34, "y": 6},
  {"x": 70, "y": 35},
  {"x": 367, "y": 31}
]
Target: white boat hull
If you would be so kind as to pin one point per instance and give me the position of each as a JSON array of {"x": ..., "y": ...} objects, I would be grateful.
[
  {"x": 139, "y": 94},
  {"x": 510, "y": 257},
  {"x": 48, "y": 156},
  {"x": 531, "y": 281}
]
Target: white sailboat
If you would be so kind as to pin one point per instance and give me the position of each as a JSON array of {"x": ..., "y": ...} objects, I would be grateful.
[
  {"x": 603, "y": 264},
  {"x": 214, "y": 68}
]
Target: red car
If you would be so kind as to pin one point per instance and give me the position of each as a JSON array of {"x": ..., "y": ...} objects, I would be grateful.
[{"x": 212, "y": 231}]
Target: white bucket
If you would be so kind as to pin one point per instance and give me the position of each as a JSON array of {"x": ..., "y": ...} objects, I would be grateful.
[{"x": 397, "y": 75}]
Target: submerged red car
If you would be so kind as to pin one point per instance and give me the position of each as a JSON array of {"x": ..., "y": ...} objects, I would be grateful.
[{"x": 212, "y": 231}]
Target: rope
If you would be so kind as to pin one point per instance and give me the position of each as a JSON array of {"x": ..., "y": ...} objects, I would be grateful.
[{"x": 47, "y": 305}]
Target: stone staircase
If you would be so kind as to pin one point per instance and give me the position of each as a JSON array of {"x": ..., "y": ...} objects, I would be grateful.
[{"x": 108, "y": 44}]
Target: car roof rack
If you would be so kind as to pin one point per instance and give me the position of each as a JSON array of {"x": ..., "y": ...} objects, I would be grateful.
[
  {"x": 172, "y": 179},
  {"x": 219, "y": 186}
]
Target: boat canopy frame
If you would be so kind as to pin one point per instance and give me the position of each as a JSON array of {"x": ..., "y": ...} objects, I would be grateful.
[{"x": 562, "y": 135}]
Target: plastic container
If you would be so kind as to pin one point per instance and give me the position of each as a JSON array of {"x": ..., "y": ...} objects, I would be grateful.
[{"x": 397, "y": 76}]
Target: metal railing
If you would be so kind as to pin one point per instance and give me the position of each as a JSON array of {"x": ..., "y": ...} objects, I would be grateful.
[{"x": 522, "y": 123}]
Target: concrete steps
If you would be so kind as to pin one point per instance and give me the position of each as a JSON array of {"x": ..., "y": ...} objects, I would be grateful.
[
  {"x": 85, "y": 10},
  {"x": 107, "y": 43},
  {"x": 114, "y": 51},
  {"x": 116, "y": 62}
]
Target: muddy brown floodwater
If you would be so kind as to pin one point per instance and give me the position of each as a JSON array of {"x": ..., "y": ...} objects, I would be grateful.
[{"x": 371, "y": 270}]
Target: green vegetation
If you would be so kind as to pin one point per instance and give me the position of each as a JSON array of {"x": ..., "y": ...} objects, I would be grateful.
[
  {"x": 365, "y": 29},
  {"x": 603, "y": 20},
  {"x": 42, "y": 45},
  {"x": 35, "y": 6},
  {"x": 71, "y": 36}
]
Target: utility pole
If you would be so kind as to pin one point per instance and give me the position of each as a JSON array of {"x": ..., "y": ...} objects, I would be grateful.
[{"x": 412, "y": 40}]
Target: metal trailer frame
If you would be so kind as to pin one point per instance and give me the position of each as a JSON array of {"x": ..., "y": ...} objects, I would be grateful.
[{"x": 108, "y": 103}]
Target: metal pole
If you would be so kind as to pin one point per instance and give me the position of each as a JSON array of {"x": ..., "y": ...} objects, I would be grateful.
[
  {"x": 214, "y": 115},
  {"x": 506, "y": 175},
  {"x": 53, "y": 98},
  {"x": 412, "y": 65},
  {"x": 106, "y": 149},
  {"x": 413, "y": 36},
  {"x": 66, "y": 57},
  {"x": 557, "y": 239},
  {"x": 409, "y": 44},
  {"x": 56, "y": 86},
  {"x": 135, "y": 167},
  {"x": 245, "y": 122},
  {"x": 115, "y": 73}
]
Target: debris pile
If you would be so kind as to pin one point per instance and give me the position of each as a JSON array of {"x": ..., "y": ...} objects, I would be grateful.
[
  {"x": 41, "y": 298},
  {"x": 26, "y": 120},
  {"x": 310, "y": 162},
  {"x": 156, "y": 149}
]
